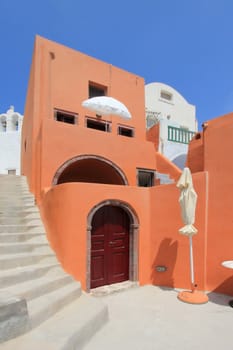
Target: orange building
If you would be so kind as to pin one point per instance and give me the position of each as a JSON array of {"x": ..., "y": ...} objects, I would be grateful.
[{"x": 94, "y": 179}]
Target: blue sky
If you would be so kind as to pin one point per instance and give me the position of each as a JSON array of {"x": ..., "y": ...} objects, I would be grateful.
[{"x": 187, "y": 44}]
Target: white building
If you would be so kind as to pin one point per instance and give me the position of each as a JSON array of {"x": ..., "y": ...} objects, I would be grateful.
[
  {"x": 176, "y": 117},
  {"x": 10, "y": 142}
]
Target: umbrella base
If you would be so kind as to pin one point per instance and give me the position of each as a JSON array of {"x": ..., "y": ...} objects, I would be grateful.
[{"x": 193, "y": 297}]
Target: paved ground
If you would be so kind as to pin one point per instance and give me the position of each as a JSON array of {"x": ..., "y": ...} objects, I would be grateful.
[{"x": 151, "y": 318}]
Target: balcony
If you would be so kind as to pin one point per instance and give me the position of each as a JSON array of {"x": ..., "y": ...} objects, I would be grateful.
[{"x": 179, "y": 135}]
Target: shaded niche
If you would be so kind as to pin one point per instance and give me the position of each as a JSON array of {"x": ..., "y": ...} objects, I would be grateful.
[{"x": 90, "y": 171}]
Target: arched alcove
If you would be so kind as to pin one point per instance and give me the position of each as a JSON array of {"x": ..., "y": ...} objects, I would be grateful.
[{"x": 90, "y": 169}]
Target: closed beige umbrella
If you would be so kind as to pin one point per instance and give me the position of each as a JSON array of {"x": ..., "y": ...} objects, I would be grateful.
[{"x": 188, "y": 201}]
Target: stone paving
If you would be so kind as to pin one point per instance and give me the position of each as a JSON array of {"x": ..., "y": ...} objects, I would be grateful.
[{"x": 152, "y": 318}]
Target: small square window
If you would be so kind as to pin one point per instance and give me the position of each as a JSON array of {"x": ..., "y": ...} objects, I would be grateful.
[
  {"x": 96, "y": 90},
  {"x": 3, "y": 125},
  {"x": 65, "y": 117},
  {"x": 145, "y": 178},
  {"x": 166, "y": 95},
  {"x": 125, "y": 131},
  {"x": 11, "y": 171},
  {"x": 100, "y": 125}
]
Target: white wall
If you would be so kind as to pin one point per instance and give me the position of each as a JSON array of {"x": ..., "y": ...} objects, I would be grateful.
[
  {"x": 173, "y": 111},
  {"x": 10, "y": 141},
  {"x": 178, "y": 109}
]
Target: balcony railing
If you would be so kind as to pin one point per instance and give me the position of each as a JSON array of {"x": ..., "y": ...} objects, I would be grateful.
[{"x": 179, "y": 135}]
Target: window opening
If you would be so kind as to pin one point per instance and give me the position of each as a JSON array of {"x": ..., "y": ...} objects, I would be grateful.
[
  {"x": 100, "y": 125},
  {"x": 11, "y": 171},
  {"x": 96, "y": 90},
  {"x": 125, "y": 131},
  {"x": 65, "y": 117},
  {"x": 146, "y": 178},
  {"x": 166, "y": 95},
  {"x": 3, "y": 125}
]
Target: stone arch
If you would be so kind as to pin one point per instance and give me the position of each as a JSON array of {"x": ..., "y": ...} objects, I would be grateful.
[
  {"x": 115, "y": 174},
  {"x": 133, "y": 237}
]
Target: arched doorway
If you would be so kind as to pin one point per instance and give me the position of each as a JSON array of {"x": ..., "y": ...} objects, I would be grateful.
[{"x": 112, "y": 244}]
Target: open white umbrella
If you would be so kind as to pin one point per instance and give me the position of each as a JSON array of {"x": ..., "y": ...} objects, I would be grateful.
[
  {"x": 105, "y": 105},
  {"x": 188, "y": 200}
]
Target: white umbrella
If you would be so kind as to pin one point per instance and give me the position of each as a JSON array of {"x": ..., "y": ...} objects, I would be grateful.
[
  {"x": 188, "y": 200},
  {"x": 105, "y": 105}
]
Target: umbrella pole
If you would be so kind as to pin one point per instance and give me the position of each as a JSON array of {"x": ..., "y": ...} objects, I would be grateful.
[
  {"x": 193, "y": 296},
  {"x": 191, "y": 259}
]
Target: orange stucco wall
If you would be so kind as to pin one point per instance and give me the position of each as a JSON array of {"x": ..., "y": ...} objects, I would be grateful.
[
  {"x": 59, "y": 80},
  {"x": 213, "y": 152},
  {"x": 65, "y": 209},
  {"x": 171, "y": 249}
]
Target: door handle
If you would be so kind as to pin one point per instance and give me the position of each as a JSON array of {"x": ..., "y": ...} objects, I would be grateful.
[{"x": 111, "y": 243}]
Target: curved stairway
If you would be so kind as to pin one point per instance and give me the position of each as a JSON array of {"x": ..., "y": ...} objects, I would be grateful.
[{"x": 40, "y": 305}]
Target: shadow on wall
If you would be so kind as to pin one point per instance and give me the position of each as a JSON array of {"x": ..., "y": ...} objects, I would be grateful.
[
  {"x": 164, "y": 263},
  {"x": 224, "y": 287}
]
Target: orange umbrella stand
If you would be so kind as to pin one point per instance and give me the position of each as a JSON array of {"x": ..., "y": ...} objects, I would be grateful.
[{"x": 193, "y": 296}]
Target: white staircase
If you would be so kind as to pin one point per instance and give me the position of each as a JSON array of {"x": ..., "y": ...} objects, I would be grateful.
[
  {"x": 164, "y": 178},
  {"x": 40, "y": 305}
]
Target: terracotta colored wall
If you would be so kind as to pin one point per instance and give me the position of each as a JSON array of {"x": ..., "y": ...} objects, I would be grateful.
[
  {"x": 195, "y": 156},
  {"x": 168, "y": 247},
  {"x": 218, "y": 144},
  {"x": 212, "y": 153},
  {"x": 60, "y": 78},
  {"x": 127, "y": 153},
  {"x": 152, "y": 135},
  {"x": 65, "y": 209},
  {"x": 165, "y": 166}
]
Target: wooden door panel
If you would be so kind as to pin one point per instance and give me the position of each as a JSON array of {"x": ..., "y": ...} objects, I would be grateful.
[
  {"x": 119, "y": 270},
  {"x": 97, "y": 271},
  {"x": 109, "y": 246}
]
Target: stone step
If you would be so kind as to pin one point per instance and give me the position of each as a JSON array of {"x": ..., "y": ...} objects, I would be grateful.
[
  {"x": 11, "y": 205},
  {"x": 69, "y": 329},
  {"x": 16, "y": 220},
  {"x": 21, "y": 214},
  {"x": 25, "y": 273},
  {"x": 22, "y": 228},
  {"x": 24, "y": 247},
  {"x": 9, "y": 261},
  {"x": 7, "y": 201},
  {"x": 37, "y": 287},
  {"x": 164, "y": 178},
  {"x": 23, "y": 237},
  {"x": 17, "y": 195},
  {"x": 40, "y": 309}
]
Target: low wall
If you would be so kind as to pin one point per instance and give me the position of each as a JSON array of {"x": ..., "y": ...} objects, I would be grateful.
[{"x": 65, "y": 209}]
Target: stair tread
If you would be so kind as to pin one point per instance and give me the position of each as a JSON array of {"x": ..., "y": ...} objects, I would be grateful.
[
  {"x": 26, "y": 244},
  {"x": 32, "y": 267},
  {"x": 20, "y": 255},
  {"x": 45, "y": 301},
  {"x": 22, "y": 289},
  {"x": 67, "y": 329},
  {"x": 45, "y": 306}
]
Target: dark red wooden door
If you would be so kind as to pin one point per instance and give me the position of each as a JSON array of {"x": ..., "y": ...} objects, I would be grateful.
[{"x": 109, "y": 246}]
